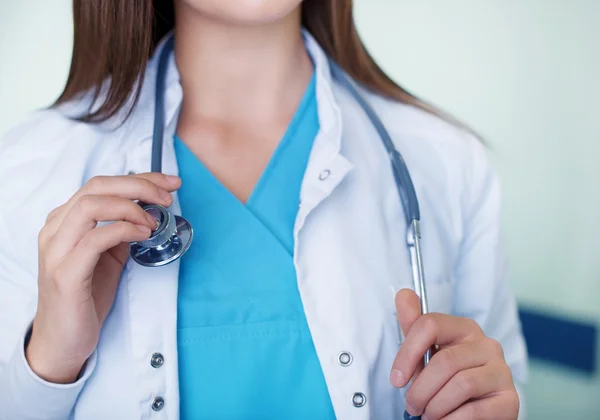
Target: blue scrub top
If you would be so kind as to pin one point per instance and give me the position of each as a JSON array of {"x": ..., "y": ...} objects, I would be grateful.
[{"x": 245, "y": 349}]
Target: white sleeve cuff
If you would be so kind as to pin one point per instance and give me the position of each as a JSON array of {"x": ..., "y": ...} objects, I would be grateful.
[{"x": 30, "y": 397}]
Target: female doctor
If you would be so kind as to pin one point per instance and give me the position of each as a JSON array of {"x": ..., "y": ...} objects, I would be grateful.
[{"x": 294, "y": 300}]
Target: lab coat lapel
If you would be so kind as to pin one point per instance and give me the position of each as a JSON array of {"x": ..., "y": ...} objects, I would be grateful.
[{"x": 327, "y": 166}]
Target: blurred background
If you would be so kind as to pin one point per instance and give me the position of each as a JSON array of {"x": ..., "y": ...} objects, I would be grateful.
[{"x": 526, "y": 75}]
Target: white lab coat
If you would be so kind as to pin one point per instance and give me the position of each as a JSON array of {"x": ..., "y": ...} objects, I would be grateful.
[{"x": 350, "y": 252}]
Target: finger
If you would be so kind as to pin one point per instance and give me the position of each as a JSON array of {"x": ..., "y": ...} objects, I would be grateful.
[
  {"x": 503, "y": 406},
  {"x": 91, "y": 209},
  {"x": 168, "y": 182},
  {"x": 50, "y": 226},
  {"x": 466, "y": 385},
  {"x": 151, "y": 187},
  {"x": 443, "y": 366},
  {"x": 108, "y": 271},
  {"x": 81, "y": 261},
  {"x": 408, "y": 309},
  {"x": 54, "y": 213},
  {"x": 427, "y": 330}
]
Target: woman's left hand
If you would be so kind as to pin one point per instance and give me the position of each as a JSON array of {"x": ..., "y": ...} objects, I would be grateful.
[{"x": 467, "y": 377}]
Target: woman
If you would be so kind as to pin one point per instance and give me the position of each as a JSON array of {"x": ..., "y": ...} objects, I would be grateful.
[{"x": 288, "y": 303}]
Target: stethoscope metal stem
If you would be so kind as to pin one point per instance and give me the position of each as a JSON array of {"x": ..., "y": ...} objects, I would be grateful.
[
  {"x": 416, "y": 260},
  {"x": 413, "y": 240}
]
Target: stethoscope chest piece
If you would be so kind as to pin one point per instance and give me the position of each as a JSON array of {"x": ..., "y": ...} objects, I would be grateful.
[{"x": 171, "y": 239}]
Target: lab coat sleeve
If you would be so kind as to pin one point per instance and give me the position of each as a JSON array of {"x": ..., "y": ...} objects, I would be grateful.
[
  {"x": 482, "y": 288},
  {"x": 23, "y": 395},
  {"x": 29, "y": 397}
]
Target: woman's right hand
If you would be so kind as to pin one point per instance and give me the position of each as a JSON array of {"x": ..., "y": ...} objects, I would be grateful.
[{"x": 80, "y": 266}]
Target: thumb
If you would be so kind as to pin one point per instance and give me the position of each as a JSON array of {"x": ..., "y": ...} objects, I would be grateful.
[{"x": 408, "y": 309}]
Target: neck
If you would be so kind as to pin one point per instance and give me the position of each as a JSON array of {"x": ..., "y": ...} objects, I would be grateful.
[{"x": 240, "y": 72}]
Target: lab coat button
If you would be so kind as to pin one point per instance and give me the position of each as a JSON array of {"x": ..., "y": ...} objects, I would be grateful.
[
  {"x": 157, "y": 360},
  {"x": 158, "y": 403},
  {"x": 345, "y": 358},
  {"x": 359, "y": 399},
  {"x": 324, "y": 175}
]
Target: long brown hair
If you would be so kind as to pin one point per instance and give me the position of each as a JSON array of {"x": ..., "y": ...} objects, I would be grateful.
[{"x": 115, "y": 38}]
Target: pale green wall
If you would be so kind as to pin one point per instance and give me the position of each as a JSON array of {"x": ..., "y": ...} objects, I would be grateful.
[
  {"x": 525, "y": 74},
  {"x": 35, "y": 49}
]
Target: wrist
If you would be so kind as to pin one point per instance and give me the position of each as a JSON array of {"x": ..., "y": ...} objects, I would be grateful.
[{"x": 49, "y": 365}]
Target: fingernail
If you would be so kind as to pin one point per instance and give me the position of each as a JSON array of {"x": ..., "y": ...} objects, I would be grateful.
[
  {"x": 153, "y": 222},
  {"x": 172, "y": 178},
  {"x": 396, "y": 378},
  {"x": 411, "y": 410},
  {"x": 144, "y": 229},
  {"x": 166, "y": 196}
]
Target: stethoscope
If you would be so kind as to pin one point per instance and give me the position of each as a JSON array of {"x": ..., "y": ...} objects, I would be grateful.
[{"x": 174, "y": 234}]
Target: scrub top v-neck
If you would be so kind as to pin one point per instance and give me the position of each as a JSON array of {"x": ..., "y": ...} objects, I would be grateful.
[{"x": 245, "y": 349}]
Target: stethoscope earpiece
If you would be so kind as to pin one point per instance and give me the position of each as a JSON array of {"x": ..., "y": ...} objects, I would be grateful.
[{"x": 169, "y": 241}]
